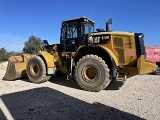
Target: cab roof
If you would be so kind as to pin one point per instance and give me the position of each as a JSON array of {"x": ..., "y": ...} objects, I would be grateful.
[{"x": 83, "y": 18}]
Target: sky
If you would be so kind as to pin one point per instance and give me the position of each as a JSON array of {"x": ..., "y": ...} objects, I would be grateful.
[{"x": 19, "y": 19}]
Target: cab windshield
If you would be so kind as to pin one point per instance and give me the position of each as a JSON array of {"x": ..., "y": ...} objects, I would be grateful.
[{"x": 88, "y": 28}]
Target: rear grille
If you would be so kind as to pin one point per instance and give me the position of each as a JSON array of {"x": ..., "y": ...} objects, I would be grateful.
[
  {"x": 118, "y": 42},
  {"x": 118, "y": 46},
  {"x": 120, "y": 52}
]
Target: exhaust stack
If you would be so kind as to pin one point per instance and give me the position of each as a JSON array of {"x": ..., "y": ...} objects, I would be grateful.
[{"x": 108, "y": 24}]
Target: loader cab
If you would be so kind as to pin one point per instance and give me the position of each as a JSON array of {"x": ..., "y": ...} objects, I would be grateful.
[{"x": 74, "y": 32}]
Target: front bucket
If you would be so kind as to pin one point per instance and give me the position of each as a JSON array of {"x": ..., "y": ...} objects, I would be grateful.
[{"x": 16, "y": 68}]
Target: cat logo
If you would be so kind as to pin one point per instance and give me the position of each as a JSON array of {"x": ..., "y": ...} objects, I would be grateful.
[
  {"x": 96, "y": 39},
  {"x": 100, "y": 39}
]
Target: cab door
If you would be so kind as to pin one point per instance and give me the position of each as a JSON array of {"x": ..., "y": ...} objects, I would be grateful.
[{"x": 69, "y": 36}]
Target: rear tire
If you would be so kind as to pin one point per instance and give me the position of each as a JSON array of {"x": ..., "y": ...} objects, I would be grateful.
[
  {"x": 92, "y": 74},
  {"x": 36, "y": 70}
]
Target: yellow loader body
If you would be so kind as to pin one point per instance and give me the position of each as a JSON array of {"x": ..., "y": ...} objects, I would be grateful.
[{"x": 94, "y": 58}]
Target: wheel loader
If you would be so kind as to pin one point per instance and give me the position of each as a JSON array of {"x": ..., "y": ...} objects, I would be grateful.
[{"x": 94, "y": 58}]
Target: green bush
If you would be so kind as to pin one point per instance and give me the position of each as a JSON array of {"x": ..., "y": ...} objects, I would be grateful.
[{"x": 4, "y": 55}]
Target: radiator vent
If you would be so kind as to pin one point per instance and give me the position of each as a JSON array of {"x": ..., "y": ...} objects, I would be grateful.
[
  {"x": 118, "y": 42},
  {"x": 120, "y": 52},
  {"x": 118, "y": 46}
]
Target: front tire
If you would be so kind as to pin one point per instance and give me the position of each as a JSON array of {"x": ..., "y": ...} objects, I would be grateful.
[
  {"x": 36, "y": 70},
  {"x": 92, "y": 73}
]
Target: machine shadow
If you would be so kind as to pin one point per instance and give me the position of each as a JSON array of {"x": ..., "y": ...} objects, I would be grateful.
[
  {"x": 64, "y": 82},
  {"x": 46, "y": 103},
  {"x": 114, "y": 85}
]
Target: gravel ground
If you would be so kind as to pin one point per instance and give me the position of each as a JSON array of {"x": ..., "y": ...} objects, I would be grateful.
[{"x": 136, "y": 98}]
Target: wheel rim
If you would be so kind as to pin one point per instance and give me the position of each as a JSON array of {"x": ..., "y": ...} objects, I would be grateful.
[
  {"x": 89, "y": 74},
  {"x": 34, "y": 69}
]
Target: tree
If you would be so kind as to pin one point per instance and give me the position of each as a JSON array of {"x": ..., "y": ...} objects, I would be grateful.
[
  {"x": 4, "y": 55},
  {"x": 33, "y": 44}
]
